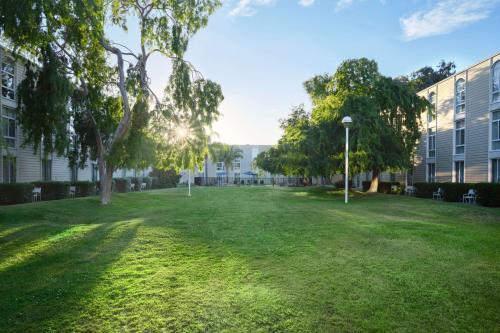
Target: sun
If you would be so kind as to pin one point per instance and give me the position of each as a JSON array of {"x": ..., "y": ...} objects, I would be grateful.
[{"x": 182, "y": 132}]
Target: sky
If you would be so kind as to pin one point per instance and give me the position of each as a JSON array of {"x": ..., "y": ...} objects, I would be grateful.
[{"x": 261, "y": 51}]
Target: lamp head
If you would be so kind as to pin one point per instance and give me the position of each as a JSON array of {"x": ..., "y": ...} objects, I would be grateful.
[{"x": 347, "y": 121}]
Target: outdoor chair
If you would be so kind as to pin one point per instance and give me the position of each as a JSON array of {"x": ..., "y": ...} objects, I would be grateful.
[
  {"x": 410, "y": 190},
  {"x": 470, "y": 197},
  {"x": 72, "y": 191},
  {"x": 132, "y": 187},
  {"x": 143, "y": 186},
  {"x": 438, "y": 195},
  {"x": 37, "y": 194}
]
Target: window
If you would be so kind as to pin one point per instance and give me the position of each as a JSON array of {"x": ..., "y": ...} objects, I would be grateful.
[
  {"x": 431, "y": 172},
  {"x": 9, "y": 127},
  {"x": 495, "y": 84},
  {"x": 237, "y": 175},
  {"x": 392, "y": 177},
  {"x": 124, "y": 173},
  {"x": 495, "y": 170},
  {"x": 236, "y": 165},
  {"x": 460, "y": 96},
  {"x": 46, "y": 170},
  {"x": 495, "y": 130},
  {"x": 95, "y": 172},
  {"x": 459, "y": 172},
  {"x": 431, "y": 143},
  {"x": 8, "y": 79},
  {"x": 431, "y": 112},
  {"x": 74, "y": 173},
  {"x": 460, "y": 136},
  {"x": 220, "y": 166},
  {"x": 9, "y": 169}
]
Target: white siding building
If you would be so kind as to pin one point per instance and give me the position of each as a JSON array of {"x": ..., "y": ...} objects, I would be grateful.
[
  {"x": 23, "y": 164},
  {"x": 461, "y": 141}
]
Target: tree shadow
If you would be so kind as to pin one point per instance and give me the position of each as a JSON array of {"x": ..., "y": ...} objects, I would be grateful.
[{"x": 42, "y": 287}]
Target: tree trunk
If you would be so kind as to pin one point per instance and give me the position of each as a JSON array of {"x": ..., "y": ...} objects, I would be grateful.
[
  {"x": 106, "y": 180},
  {"x": 374, "y": 184}
]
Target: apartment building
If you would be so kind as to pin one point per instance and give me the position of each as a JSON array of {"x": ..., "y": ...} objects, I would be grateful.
[
  {"x": 461, "y": 138},
  {"x": 24, "y": 164},
  {"x": 241, "y": 168}
]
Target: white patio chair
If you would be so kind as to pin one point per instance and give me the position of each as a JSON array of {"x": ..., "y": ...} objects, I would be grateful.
[
  {"x": 37, "y": 194},
  {"x": 470, "y": 196},
  {"x": 410, "y": 190},
  {"x": 132, "y": 186},
  {"x": 438, "y": 195},
  {"x": 143, "y": 186},
  {"x": 72, "y": 191}
]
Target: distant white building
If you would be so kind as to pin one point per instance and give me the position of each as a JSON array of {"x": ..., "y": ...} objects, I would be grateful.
[{"x": 242, "y": 168}]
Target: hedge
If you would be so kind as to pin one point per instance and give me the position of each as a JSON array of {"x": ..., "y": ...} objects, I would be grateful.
[
  {"x": 122, "y": 185},
  {"x": 488, "y": 193},
  {"x": 164, "y": 178},
  {"x": 148, "y": 181},
  {"x": 384, "y": 187},
  {"x": 85, "y": 189},
  {"x": 53, "y": 190},
  {"x": 341, "y": 184},
  {"x": 15, "y": 193},
  {"x": 137, "y": 182}
]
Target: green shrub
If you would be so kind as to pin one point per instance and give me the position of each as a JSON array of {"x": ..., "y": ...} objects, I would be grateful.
[
  {"x": 85, "y": 189},
  {"x": 137, "y": 182},
  {"x": 341, "y": 184},
  {"x": 384, "y": 187},
  {"x": 165, "y": 178},
  {"x": 53, "y": 190},
  {"x": 148, "y": 181},
  {"x": 425, "y": 190},
  {"x": 454, "y": 192},
  {"x": 15, "y": 193},
  {"x": 488, "y": 194},
  {"x": 121, "y": 185}
]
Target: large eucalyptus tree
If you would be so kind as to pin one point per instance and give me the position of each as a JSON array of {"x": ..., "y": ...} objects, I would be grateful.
[{"x": 116, "y": 117}]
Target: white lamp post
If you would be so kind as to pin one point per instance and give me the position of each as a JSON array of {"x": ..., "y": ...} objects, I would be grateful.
[
  {"x": 189, "y": 182},
  {"x": 347, "y": 122}
]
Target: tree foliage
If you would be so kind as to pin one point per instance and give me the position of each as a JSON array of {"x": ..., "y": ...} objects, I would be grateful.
[
  {"x": 427, "y": 76},
  {"x": 383, "y": 135},
  {"x": 220, "y": 152},
  {"x": 115, "y": 116}
]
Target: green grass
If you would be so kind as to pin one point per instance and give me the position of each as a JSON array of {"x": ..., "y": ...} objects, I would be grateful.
[{"x": 249, "y": 259}]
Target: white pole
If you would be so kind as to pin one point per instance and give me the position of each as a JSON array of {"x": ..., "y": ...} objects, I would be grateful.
[
  {"x": 189, "y": 182},
  {"x": 346, "y": 164}
]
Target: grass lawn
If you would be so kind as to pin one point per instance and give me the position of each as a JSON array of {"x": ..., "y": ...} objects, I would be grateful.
[{"x": 249, "y": 259}]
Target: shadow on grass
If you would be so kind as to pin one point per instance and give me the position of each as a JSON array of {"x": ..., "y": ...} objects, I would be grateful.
[{"x": 43, "y": 286}]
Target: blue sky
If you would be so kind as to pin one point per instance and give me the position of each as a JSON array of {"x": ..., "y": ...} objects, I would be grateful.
[{"x": 261, "y": 51}]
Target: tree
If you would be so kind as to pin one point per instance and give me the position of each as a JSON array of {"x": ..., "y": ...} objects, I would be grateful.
[
  {"x": 220, "y": 152},
  {"x": 116, "y": 117},
  {"x": 427, "y": 76},
  {"x": 271, "y": 161},
  {"x": 385, "y": 113}
]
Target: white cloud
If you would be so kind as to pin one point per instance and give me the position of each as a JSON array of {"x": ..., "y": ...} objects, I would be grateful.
[
  {"x": 306, "y": 3},
  {"x": 444, "y": 17},
  {"x": 341, "y": 4},
  {"x": 249, "y": 7}
]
